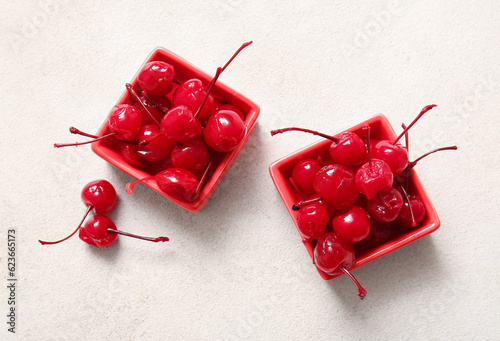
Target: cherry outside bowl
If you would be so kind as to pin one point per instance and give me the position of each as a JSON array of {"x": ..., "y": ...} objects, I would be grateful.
[
  {"x": 110, "y": 150},
  {"x": 281, "y": 171}
]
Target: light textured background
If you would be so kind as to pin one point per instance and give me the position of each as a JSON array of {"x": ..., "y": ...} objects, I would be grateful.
[{"x": 238, "y": 269}]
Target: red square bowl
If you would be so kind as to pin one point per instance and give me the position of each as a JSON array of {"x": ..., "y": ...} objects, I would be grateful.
[
  {"x": 281, "y": 172},
  {"x": 111, "y": 150}
]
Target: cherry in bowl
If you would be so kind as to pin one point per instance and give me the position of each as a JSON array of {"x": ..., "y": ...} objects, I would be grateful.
[
  {"x": 221, "y": 161},
  {"x": 282, "y": 171}
]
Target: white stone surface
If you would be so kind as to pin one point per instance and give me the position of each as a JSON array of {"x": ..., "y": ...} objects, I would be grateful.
[{"x": 238, "y": 270}]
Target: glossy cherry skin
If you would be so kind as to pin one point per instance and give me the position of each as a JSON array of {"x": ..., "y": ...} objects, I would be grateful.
[
  {"x": 234, "y": 108},
  {"x": 156, "y": 78},
  {"x": 303, "y": 175},
  {"x": 336, "y": 184},
  {"x": 386, "y": 207},
  {"x": 312, "y": 221},
  {"x": 373, "y": 179},
  {"x": 404, "y": 219},
  {"x": 101, "y": 195},
  {"x": 178, "y": 124},
  {"x": 129, "y": 153},
  {"x": 191, "y": 93},
  {"x": 224, "y": 131},
  {"x": 158, "y": 148},
  {"x": 178, "y": 183},
  {"x": 95, "y": 232},
  {"x": 352, "y": 225},
  {"x": 191, "y": 155},
  {"x": 161, "y": 102},
  {"x": 395, "y": 155},
  {"x": 349, "y": 150},
  {"x": 125, "y": 120},
  {"x": 380, "y": 233},
  {"x": 331, "y": 253}
]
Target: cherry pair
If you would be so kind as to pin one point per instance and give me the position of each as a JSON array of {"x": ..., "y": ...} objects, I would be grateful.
[{"x": 100, "y": 197}]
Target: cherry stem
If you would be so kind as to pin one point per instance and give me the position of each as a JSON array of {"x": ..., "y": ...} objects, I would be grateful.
[
  {"x": 202, "y": 180},
  {"x": 131, "y": 91},
  {"x": 236, "y": 53},
  {"x": 154, "y": 240},
  {"x": 150, "y": 101},
  {"x": 105, "y": 137},
  {"x": 129, "y": 188},
  {"x": 76, "y": 131},
  {"x": 296, "y": 188},
  {"x": 303, "y": 203},
  {"x": 283, "y": 130},
  {"x": 361, "y": 290},
  {"x": 367, "y": 130},
  {"x": 147, "y": 141},
  {"x": 381, "y": 198},
  {"x": 407, "y": 143},
  {"x": 413, "y": 163},
  {"x": 209, "y": 89},
  {"x": 71, "y": 235},
  {"x": 422, "y": 112},
  {"x": 413, "y": 221}
]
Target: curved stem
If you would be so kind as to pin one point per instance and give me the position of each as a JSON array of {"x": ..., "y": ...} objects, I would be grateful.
[
  {"x": 154, "y": 240},
  {"x": 284, "y": 130},
  {"x": 367, "y": 130},
  {"x": 71, "y": 235},
  {"x": 361, "y": 290},
  {"x": 147, "y": 141},
  {"x": 303, "y": 203},
  {"x": 235, "y": 54},
  {"x": 105, "y": 137},
  {"x": 413, "y": 163},
  {"x": 76, "y": 131},
  {"x": 422, "y": 112},
  {"x": 131, "y": 91},
  {"x": 202, "y": 180},
  {"x": 413, "y": 221},
  {"x": 129, "y": 188}
]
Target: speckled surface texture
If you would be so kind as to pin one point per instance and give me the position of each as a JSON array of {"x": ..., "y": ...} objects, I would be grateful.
[{"x": 238, "y": 269}]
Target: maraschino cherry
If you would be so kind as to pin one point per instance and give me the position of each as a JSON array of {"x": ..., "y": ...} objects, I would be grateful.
[
  {"x": 312, "y": 221},
  {"x": 385, "y": 207},
  {"x": 375, "y": 175},
  {"x": 336, "y": 184},
  {"x": 303, "y": 174},
  {"x": 347, "y": 150},
  {"x": 124, "y": 123},
  {"x": 352, "y": 224},
  {"x": 224, "y": 131},
  {"x": 156, "y": 78},
  {"x": 334, "y": 256},
  {"x": 191, "y": 155}
]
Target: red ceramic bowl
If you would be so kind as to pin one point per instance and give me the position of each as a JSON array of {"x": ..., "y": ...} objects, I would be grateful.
[
  {"x": 111, "y": 150},
  {"x": 281, "y": 171}
]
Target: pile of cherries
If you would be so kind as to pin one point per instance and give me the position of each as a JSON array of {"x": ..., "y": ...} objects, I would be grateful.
[
  {"x": 100, "y": 197},
  {"x": 358, "y": 197},
  {"x": 173, "y": 129}
]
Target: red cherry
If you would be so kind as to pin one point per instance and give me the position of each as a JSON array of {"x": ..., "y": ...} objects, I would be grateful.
[
  {"x": 156, "y": 78},
  {"x": 386, "y": 206},
  {"x": 312, "y": 221},
  {"x": 156, "y": 149},
  {"x": 95, "y": 232},
  {"x": 100, "y": 231},
  {"x": 234, "y": 108},
  {"x": 179, "y": 124},
  {"x": 334, "y": 256},
  {"x": 129, "y": 153},
  {"x": 191, "y": 155},
  {"x": 161, "y": 103},
  {"x": 379, "y": 234},
  {"x": 347, "y": 150},
  {"x": 336, "y": 184},
  {"x": 224, "y": 131},
  {"x": 125, "y": 120},
  {"x": 191, "y": 93},
  {"x": 374, "y": 177},
  {"x": 352, "y": 225},
  {"x": 412, "y": 213},
  {"x": 303, "y": 175},
  {"x": 395, "y": 155},
  {"x": 100, "y": 195}
]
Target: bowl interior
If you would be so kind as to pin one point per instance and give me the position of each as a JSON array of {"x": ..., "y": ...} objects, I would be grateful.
[
  {"x": 111, "y": 150},
  {"x": 281, "y": 171}
]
